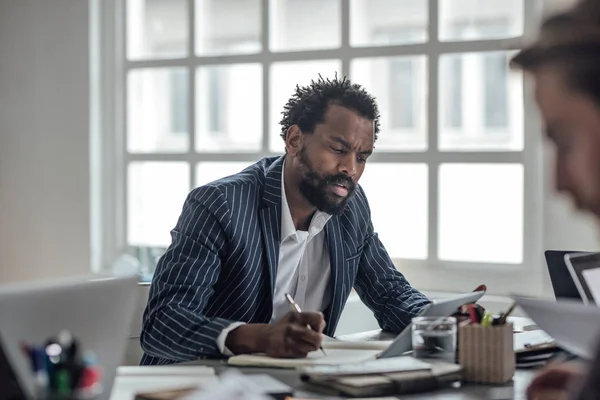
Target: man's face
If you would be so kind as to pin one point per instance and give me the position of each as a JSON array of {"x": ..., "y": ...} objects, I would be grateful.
[
  {"x": 331, "y": 159},
  {"x": 573, "y": 125}
]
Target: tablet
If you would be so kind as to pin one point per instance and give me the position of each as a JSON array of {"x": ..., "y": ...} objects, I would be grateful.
[
  {"x": 437, "y": 308},
  {"x": 578, "y": 264}
]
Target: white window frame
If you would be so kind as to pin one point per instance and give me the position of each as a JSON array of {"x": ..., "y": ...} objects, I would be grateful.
[{"x": 110, "y": 158}]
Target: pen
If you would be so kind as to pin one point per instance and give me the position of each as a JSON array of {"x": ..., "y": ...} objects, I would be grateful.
[
  {"x": 503, "y": 317},
  {"x": 297, "y": 308}
]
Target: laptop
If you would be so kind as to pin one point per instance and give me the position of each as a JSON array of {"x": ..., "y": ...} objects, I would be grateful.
[
  {"x": 578, "y": 264},
  {"x": 437, "y": 308},
  {"x": 562, "y": 282},
  {"x": 97, "y": 310}
]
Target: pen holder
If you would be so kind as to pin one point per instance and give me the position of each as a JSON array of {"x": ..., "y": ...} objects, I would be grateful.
[{"x": 486, "y": 353}]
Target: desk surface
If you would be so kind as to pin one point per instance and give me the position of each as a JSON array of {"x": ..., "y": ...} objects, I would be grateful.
[{"x": 513, "y": 390}]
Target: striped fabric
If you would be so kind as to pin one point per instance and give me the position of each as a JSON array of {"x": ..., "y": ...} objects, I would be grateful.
[{"x": 222, "y": 263}]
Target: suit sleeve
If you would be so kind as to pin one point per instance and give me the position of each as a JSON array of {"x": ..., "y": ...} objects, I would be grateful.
[
  {"x": 382, "y": 287},
  {"x": 174, "y": 325}
]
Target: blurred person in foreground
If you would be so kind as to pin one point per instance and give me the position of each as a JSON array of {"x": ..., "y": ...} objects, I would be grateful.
[{"x": 565, "y": 65}]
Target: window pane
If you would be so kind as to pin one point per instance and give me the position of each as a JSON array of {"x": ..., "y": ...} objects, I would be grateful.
[
  {"x": 304, "y": 24},
  {"x": 156, "y": 193},
  {"x": 480, "y": 20},
  {"x": 481, "y": 212},
  {"x": 207, "y": 172},
  {"x": 398, "y": 198},
  {"x": 480, "y": 103},
  {"x": 399, "y": 85},
  {"x": 229, "y": 108},
  {"x": 157, "y": 29},
  {"x": 387, "y": 22},
  {"x": 157, "y": 104},
  {"x": 284, "y": 78},
  {"x": 228, "y": 27}
]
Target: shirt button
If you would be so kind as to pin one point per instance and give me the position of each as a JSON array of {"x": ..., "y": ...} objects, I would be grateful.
[{"x": 303, "y": 277}]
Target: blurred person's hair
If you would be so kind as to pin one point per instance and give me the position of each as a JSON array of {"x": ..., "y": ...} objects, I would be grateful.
[{"x": 570, "y": 42}]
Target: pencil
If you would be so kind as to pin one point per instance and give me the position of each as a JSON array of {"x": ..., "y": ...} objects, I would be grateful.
[{"x": 502, "y": 319}]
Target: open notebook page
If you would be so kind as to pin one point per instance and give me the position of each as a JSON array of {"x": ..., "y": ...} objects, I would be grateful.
[{"x": 332, "y": 357}]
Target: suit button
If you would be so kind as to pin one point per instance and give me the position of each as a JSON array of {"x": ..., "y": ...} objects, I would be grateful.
[{"x": 303, "y": 278}]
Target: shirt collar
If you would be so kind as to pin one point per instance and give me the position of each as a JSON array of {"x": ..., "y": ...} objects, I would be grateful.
[{"x": 288, "y": 229}]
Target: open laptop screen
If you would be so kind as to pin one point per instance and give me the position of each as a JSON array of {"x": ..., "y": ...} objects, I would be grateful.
[
  {"x": 578, "y": 265},
  {"x": 562, "y": 282}
]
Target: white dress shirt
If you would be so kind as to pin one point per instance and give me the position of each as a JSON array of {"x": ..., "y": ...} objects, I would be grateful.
[{"x": 303, "y": 271}]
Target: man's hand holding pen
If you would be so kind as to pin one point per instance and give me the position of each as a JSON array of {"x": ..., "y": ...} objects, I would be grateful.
[{"x": 293, "y": 336}]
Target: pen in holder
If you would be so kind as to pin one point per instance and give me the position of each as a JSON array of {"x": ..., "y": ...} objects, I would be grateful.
[
  {"x": 486, "y": 353},
  {"x": 61, "y": 371}
]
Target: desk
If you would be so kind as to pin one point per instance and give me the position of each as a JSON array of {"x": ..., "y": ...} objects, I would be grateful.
[{"x": 512, "y": 390}]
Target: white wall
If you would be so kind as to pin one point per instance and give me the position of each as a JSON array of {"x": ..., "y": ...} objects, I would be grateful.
[{"x": 44, "y": 138}]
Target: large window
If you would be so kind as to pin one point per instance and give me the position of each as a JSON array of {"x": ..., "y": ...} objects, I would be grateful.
[{"x": 451, "y": 185}]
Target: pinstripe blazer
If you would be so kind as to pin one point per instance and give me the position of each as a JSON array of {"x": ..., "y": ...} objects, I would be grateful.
[{"x": 222, "y": 263}]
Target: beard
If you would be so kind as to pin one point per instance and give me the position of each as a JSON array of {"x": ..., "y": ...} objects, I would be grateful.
[{"x": 318, "y": 189}]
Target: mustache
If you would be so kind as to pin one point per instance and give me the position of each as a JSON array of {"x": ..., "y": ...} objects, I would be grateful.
[{"x": 341, "y": 180}]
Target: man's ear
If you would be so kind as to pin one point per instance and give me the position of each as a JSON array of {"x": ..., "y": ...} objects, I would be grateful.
[{"x": 293, "y": 140}]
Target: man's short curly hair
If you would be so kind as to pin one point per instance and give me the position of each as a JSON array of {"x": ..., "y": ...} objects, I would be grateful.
[{"x": 307, "y": 107}]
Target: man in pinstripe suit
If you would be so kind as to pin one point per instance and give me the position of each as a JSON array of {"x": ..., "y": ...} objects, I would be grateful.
[{"x": 295, "y": 224}]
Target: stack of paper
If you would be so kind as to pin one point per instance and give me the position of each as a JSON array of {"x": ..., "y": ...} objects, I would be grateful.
[{"x": 574, "y": 326}]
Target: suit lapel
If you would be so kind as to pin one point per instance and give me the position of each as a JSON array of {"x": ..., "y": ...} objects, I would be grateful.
[
  {"x": 270, "y": 219},
  {"x": 339, "y": 278}
]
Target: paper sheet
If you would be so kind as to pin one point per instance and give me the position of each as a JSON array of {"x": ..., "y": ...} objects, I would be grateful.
[
  {"x": 525, "y": 340},
  {"x": 171, "y": 370},
  {"x": 592, "y": 279},
  {"x": 233, "y": 386},
  {"x": 126, "y": 387},
  {"x": 574, "y": 326}
]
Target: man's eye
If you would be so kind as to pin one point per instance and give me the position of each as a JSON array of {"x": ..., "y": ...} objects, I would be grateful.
[
  {"x": 361, "y": 159},
  {"x": 338, "y": 151}
]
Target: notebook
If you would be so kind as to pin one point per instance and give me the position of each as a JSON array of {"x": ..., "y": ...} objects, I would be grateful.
[
  {"x": 387, "y": 382},
  {"x": 332, "y": 357},
  {"x": 337, "y": 352}
]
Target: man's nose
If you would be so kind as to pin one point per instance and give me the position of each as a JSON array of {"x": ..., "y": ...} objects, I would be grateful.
[{"x": 348, "y": 165}]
